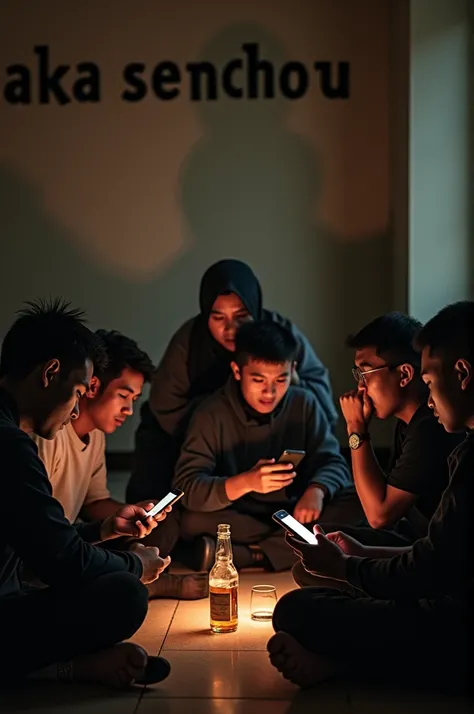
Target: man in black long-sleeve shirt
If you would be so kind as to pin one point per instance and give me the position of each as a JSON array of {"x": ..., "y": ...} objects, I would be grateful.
[
  {"x": 415, "y": 600},
  {"x": 227, "y": 464},
  {"x": 398, "y": 504},
  {"x": 68, "y": 630}
]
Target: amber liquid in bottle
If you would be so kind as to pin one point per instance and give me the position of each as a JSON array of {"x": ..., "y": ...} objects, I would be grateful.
[{"x": 224, "y": 585}]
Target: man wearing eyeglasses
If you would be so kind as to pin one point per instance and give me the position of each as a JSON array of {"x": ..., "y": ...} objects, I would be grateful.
[{"x": 399, "y": 503}]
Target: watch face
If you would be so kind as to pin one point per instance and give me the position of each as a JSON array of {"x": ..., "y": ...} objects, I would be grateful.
[{"x": 354, "y": 441}]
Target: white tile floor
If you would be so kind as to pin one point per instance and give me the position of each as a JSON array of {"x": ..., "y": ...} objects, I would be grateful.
[{"x": 215, "y": 674}]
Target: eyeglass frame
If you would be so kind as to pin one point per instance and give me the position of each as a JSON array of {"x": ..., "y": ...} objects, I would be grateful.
[{"x": 359, "y": 375}]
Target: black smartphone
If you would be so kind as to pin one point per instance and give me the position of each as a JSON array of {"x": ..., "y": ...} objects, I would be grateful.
[
  {"x": 174, "y": 495},
  {"x": 291, "y": 456},
  {"x": 294, "y": 527}
]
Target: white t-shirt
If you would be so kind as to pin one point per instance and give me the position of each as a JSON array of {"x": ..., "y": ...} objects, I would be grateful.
[{"x": 75, "y": 469}]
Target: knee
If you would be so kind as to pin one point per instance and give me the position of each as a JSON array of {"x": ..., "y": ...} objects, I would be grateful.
[
  {"x": 298, "y": 572},
  {"x": 192, "y": 524},
  {"x": 287, "y": 611},
  {"x": 124, "y": 593}
]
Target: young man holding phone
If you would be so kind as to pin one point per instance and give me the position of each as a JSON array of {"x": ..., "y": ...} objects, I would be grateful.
[
  {"x": 408, "y": 615},
  {"x": 75, "y": 460},
  {"x": 229, "y": 465},
  {"x": 69, "y": 629}
]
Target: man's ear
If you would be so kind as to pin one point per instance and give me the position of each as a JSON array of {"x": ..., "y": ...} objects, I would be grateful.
[
  {"x": 50, "y": 372},
  {"x": 93, "y": 390},
  {"x": 407, "y": 372},
  {"x": 463, "y": 370},
  {"x": 236, "y": 371}
]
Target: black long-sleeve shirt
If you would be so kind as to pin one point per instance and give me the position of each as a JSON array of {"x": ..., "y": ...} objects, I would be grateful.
[
  {"x": 33, "y": 528},
  {"x": 440, "y": 566}
]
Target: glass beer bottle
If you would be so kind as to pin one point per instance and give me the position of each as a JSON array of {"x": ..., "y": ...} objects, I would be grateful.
[{"x": 223, "y": 585}]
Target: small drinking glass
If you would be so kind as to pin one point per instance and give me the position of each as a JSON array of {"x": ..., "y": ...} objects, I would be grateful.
[{"x": 262, "y": 602}]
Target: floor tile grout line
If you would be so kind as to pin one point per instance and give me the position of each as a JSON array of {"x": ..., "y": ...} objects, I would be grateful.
[
  {"x": 169, "y": 626},
  {"x": 161, "y": 648}
]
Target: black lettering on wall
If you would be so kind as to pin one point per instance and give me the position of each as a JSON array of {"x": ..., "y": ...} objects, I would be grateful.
[
  {"x": 50, "y": 82},
  {"x": 197, "y": 70},
  {"x": 87, "y": 89},
  {"x": 227, "y": 82},
  {"x": 342, "y": 89},
  {"x": 294, "y": 80},
  {"x": 131, "y": 76},
  {"x": 18, "y": 89},
  {"x": 166, "y": 73},
  {"x": 254, "y": 66}
]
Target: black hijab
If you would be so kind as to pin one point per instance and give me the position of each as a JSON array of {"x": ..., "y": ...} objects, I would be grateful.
[{"x": 208, "y": 362}]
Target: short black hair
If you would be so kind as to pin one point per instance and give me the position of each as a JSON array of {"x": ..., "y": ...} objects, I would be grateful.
[
  {"x": 450, "y": 333},
  {"x": 45, "y": 330},
  {"x": 391, "y": 335},
  {"x": 122, "y": 352},
  {"x": 265, "y": 341}
]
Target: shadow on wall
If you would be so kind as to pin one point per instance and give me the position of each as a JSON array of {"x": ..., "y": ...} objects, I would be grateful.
[
  {"x": 39, "y": 258},
  {"x": 247, "y": 190},
  {"x": 252, "y": 183}
]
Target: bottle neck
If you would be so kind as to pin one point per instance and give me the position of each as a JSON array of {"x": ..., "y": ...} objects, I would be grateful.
[{"x": 223, "y": 548}]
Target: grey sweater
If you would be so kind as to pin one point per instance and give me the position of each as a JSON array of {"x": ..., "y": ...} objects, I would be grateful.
[
  {"x": 226, "y": 438},
  {"x": 170, "y": 399}
]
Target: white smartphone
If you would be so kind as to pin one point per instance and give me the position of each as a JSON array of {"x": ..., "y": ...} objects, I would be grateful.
[
  {"x": 174, "y": 495},
  {"x": 294, "y": 527}
]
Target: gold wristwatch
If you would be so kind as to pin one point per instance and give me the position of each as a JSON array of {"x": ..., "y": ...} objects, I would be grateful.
[{"x": 356, "y": 440}]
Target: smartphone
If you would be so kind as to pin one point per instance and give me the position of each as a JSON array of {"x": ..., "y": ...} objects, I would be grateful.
[
  {"x": 291, "y": 456},
  {"x": 294, "y": 527},
  {"x": 174, "y": 495}
]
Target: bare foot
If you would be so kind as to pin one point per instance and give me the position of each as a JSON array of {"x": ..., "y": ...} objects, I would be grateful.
[
  {"x": 117, "y": 667},
  {"x": 294, "y": 662}
]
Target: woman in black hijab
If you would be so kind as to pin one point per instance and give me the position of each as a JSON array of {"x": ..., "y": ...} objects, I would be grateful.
[{"x": 197, "y": 362}]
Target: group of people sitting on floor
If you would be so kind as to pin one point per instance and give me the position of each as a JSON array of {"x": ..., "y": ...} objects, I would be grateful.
[{"x": 386, "y": 589}]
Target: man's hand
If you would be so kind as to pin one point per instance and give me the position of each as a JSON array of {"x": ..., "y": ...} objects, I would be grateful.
[
  {"x": 349, "y": 545},
  {"x": 267, "y": 476},
  {"x": 326, "y": 558},
  {"x": 148, "y": 505},
  {"x": 152, "y": 564},
  {"x": 130, "y": 521},
  {"x": 310, "y": 505},
  {"x": 357, "y": 409}
]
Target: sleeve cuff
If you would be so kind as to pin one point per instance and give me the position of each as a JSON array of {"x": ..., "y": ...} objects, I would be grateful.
[
  {"x": 138, "y": 570},
  {"x": 352, "y": 571},
  {"x": 328, "y": 491},
  {"x": 221, "y": 494}
]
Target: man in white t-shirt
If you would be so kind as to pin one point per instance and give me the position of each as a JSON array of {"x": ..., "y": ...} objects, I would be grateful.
[{"x": 75, "y": 459}]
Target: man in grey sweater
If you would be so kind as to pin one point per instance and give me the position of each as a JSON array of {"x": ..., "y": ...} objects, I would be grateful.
[{"x": 228, "y": 467}]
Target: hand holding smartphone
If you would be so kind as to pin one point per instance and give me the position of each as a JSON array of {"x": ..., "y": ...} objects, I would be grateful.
[
  {"x": 174, "y": 495},
  {"x": 292, "y": 456},
  {"x": 294, "y": 527}
]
